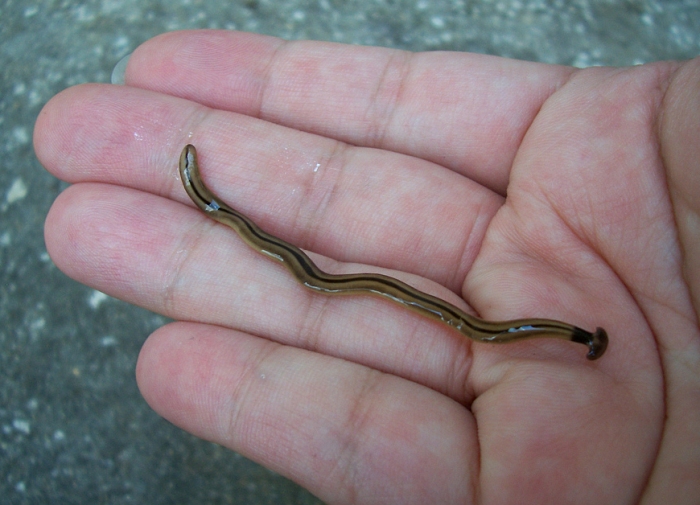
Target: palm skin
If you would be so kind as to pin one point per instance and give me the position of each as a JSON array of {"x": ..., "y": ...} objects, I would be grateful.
[{"x": 511, "y": 188}]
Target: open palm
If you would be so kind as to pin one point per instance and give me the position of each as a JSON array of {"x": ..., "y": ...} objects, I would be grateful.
[{"x": 512, "y": 189}]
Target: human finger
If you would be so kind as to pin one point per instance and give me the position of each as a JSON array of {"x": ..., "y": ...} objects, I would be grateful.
[
  {"x": 466, "y": 112},
  {"x": 352, "y": 204}
]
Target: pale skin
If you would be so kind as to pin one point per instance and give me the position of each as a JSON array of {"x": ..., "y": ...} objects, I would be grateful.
[{"x": 375, "y": 160}]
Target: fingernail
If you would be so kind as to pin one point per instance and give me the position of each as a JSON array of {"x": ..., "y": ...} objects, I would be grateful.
[{"x": 120, "y": 70}]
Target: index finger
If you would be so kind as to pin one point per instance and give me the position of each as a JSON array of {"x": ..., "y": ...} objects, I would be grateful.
[{"x": 467, "y": 112}]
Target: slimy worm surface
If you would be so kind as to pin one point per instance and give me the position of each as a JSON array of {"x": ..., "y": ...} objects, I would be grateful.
[{"x": 308, "y": 274}]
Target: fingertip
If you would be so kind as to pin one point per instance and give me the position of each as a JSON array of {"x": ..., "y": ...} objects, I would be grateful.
[
  {"x": 148, "y": 363},
  {"x": 47, "y": 126},
  {"x": 186, "y": 372},
  {"x": 164, "y": 372},
  {"x": 60, "y": 123},
  {"x": 211, "y": 67},
  {"x": 62, "y": 221}
]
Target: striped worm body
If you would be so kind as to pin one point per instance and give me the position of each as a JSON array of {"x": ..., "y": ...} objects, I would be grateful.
[{"x": 308, "y": 274}]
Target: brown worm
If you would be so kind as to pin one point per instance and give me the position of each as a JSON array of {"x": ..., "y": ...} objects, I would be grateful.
[{"x": 308, "y": 274}]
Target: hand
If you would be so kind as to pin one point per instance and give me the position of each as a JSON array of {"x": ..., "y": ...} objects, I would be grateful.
[{"x": 400, "y": 163}]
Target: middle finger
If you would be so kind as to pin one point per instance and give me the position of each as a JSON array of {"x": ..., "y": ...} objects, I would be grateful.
[{"x": 353, "y": 204}]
